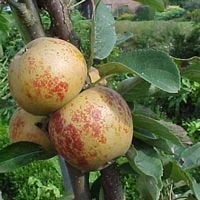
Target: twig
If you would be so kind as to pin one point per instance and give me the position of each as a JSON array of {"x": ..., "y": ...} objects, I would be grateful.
[{"x": 76, "y": 4}]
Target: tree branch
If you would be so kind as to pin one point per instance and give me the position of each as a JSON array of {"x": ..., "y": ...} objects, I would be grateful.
[
  {"x": 80, "y": 183},
  {"x": 60, "y": 18},
  {"x": 111, "y": 183},
  {"x": 27, "y": 18}
]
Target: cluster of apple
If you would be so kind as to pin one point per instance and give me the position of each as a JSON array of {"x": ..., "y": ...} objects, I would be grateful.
[{"x": 88, "y": 127}]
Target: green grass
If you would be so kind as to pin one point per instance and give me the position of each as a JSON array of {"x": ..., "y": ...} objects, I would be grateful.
[
  {"x": 157, "y": 27},
  {"x": 152, "y": 34}
]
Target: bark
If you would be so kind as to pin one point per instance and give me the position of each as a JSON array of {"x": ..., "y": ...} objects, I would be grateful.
[
  {"x": 27, "y": 18},
  {"x": 59, "y": 14},
  {"x": 80, "y": 183},
  {"x": 111, "y": 183}
]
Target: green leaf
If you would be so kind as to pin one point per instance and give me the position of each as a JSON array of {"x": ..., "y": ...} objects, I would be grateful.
[
  {"x": 154, "y": 66},
  {"x": 195, "y": 187},
  {"x": 156, "y": 4},
  {"x": 4, "y": 25},
  {"x": 19, "y": 154},
  {"x": 125, "y": 168},
  {"x": 142, "y": 110},
  {"x": 178, "y": 131},
  {"x": 148, "y": 187},
  {"x": 157, "y": 127},
  {"x": 190, "y": 68},
  {"x": 124, "y": 37},
  {"x": 191, "y": 157},
  {"x": 133, "y": 88},
  {"x": 177, "y": 173},
  {"x": 104, "y": 35},
  {"x": 145, "y": 160},
  {"x": 154, "y": 141},
  {"x": 113, "y": 68}
]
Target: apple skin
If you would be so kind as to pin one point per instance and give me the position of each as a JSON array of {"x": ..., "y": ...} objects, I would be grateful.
[
  {"x": 46, "y": 74},
  {"x": 92, "y": 129},
  {"x": 23, "y": 126}
]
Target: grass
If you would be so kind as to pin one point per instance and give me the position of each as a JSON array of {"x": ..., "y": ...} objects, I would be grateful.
[
  {"x": 158, "y": 27},
  {"x": 152, "y": 34}
]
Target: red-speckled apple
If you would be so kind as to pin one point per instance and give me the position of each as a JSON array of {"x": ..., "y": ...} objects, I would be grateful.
[
  {"x": 92, "y": 129},
  {"x": 46, "y": 74},
  {"x": 24, "y": 126}
]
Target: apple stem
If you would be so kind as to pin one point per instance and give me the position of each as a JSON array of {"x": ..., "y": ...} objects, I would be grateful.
[
  {"x": 80, "y": 183},
  {"x": 111, "y": 183}
]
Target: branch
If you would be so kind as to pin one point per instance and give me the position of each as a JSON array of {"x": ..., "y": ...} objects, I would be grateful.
[
  {"x": 27, "y": 18},
  {"x": 111, "y": 183},
  {"x": 60, "y": 19},
  {"x": 80, "y": 183}
]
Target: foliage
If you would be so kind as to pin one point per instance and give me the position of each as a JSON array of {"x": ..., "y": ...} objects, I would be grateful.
[
  {"x": 38, "y": 180},
  {"x": 171, "y": 12},
  {"x": 4, "y": 132},
  {"x": 122, "y": 10},
  {"x": 10, "y": 47},
  {"x": 81, "y": 27},
  {"x": 144, "y": 13},
  {"x": 158, "y": 5},
  {"x": 129, "y": 182},
  {"x": 177, "y": 107},
  {"x": 191, "y": 5},
  {"x": 186, "y": 46},
  {"x": 151, "y": 34},
  {"x": 126, "y": 16},
  {"x": 194, "y": 15},
  {"x": 193, "y": 128}
]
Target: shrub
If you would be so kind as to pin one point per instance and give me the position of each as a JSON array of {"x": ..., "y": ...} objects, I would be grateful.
[
  {"x": 191, "y": 5},
  {"x": 193, "y": 128},
  {"x": 151, "y": 34},
  {"x": 126, "y": 16},
  {"x": 144, "y": 13},
  {"x": 194, "y": 15},
  {"x": 186, "y": 46},
  {"x": 122, "y": 10},
  {"x": 171, "y": 12}
]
